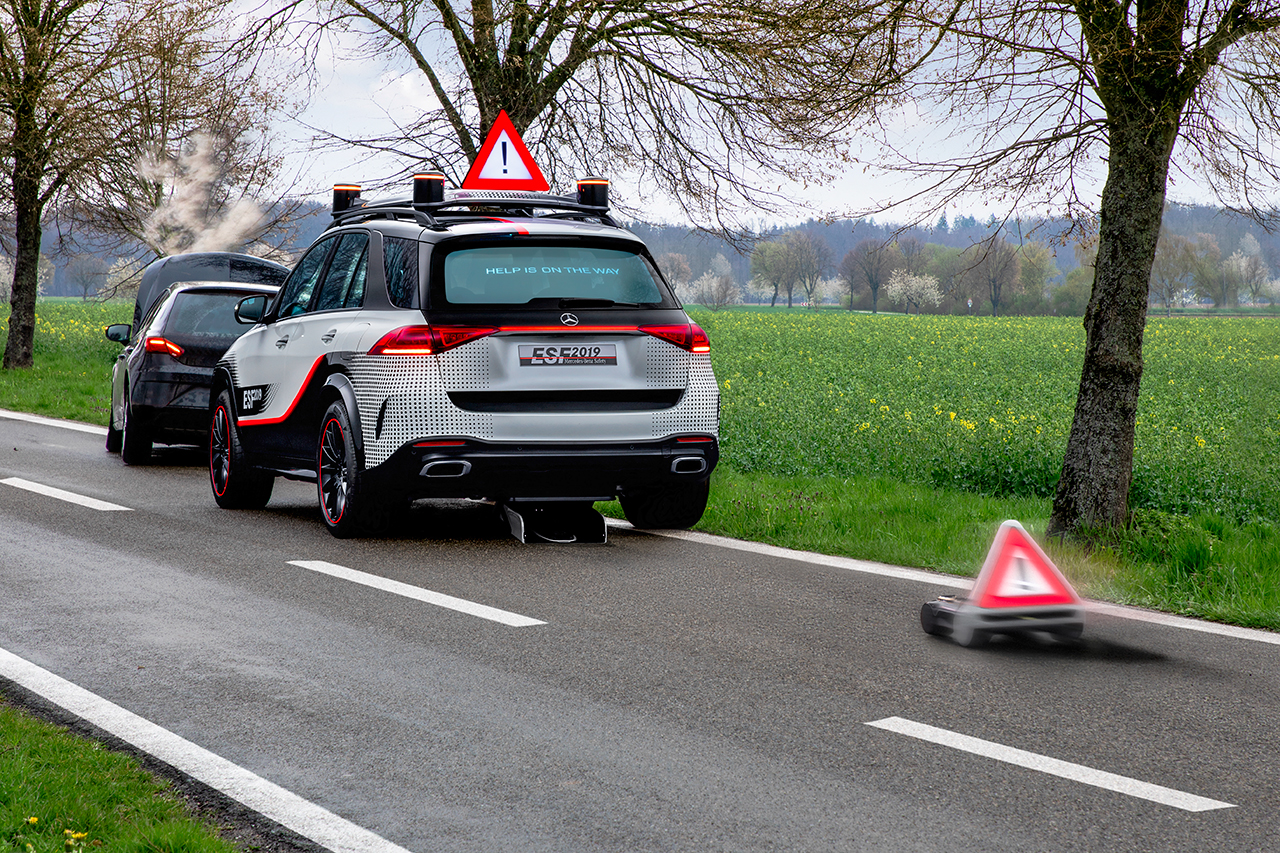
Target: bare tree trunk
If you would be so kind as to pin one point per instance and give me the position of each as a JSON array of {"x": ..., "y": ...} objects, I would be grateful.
[
  {"x": 20, "y": 347},
  {"x": 1098, "y": 466}
]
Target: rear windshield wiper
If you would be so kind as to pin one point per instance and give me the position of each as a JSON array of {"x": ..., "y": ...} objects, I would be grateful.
[{"x": 584, "y": 302}]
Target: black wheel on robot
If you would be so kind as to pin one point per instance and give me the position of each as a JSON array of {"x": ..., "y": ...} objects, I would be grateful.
[
  {"x": 929, "y": 618},
  {"x": 967, "y": 636}
]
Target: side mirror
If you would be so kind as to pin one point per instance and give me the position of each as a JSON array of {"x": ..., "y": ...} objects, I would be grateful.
[
  {"x": 118, "y": 332},
  {"x": 251, "y": 309}
]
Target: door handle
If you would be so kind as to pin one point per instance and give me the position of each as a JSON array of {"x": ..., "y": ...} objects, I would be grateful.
[
  {"x": 328, "y": 336},
  {"x": 280, "y": 343}
]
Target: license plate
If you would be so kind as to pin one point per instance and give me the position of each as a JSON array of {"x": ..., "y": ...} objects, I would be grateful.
[{"x": 567, "y": 355}]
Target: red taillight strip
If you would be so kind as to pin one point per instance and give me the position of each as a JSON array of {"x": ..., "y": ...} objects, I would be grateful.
[
  {"x": 700, "y": 342},
  {"x": 572, "y": 330},
  {"x": 158, "y": 344},
  {"x": 694, "y": 439},
  {"x": 426, "y": 340},
  {"x": 301, "y": 390}
]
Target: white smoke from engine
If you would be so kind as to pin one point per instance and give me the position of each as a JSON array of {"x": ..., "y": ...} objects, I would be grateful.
[{"x": 189, "y": 219}]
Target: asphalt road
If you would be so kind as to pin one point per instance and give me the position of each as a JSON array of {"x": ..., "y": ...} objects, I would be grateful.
[{"x": 679, "y": 696}]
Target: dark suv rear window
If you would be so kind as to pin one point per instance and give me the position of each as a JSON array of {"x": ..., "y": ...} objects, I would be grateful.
[
  {"x": 207, "y": 317},
  {"x": 521, "y": 274}
]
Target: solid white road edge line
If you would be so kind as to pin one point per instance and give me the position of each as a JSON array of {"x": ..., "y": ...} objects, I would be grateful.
[
  {"x": 267, "y": 798},
  {"x": 938, "y": 579},
  {"x": 53, "y": 422},
  {"x": 847, "y": 563},
  {"x": 60, "y": 494},
  {"x": 439, "y": 599},
  {"x": 1052, "y": 766}
]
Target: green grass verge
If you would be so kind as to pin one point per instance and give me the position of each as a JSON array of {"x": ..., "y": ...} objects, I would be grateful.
[
  {"x": 63, "y": 794},
  {"x": 72, "y": 373}
]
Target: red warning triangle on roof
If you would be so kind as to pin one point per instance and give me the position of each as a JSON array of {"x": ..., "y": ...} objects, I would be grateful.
[
  {"x": 504, "y": 163},
  {"x": 1018, "y": 573}
]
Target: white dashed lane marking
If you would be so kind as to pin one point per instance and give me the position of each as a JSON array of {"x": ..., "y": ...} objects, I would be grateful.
[
  {"x": 63, "y": 495},
  {"x": 1052, "y": 766},
  {"x": 439, "y": 599}
]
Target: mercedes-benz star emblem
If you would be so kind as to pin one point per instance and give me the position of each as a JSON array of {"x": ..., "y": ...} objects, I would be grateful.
[{"x": 569, "y": 319}]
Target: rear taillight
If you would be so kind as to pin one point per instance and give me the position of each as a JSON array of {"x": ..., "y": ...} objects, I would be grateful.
[
  {"x": 158, "y": 344},
  {"x": 687, "y": 336},
  {"x": 425, "y": 340}
]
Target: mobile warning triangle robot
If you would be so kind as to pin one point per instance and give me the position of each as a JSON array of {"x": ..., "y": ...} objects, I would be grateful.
[{"x": 1019, "y": 590}]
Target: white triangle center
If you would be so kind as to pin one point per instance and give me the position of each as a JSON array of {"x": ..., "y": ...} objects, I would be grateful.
[
  {"x": 1023, "y": 577},
  {"x": 503, "y": 163}
]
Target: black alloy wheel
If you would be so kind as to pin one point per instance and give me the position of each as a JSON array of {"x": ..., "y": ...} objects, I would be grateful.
[
  {"x": 236, "y": 485},
  {"x": 338, "y": 471}
]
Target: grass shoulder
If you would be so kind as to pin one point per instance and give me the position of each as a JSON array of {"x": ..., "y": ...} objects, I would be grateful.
[{"x": 60, "y": 793}]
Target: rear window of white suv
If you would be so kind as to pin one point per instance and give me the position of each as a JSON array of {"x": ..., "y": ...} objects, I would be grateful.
[{"x": 518, "y": 275}]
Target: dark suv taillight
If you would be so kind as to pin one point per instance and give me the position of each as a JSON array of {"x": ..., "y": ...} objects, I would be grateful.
[{"x": 158, "y": 344}]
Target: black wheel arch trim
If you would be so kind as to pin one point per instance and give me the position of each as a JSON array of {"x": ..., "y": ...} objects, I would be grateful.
[{"x": 341, "y": 384}]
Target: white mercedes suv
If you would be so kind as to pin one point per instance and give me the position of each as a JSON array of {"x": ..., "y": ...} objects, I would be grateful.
[{"x": 515, "y": 347}]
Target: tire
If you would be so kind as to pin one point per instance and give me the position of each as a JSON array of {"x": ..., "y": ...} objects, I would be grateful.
[
  {"x": 966, "y": 636},
  {"x": 670, "y": 508},
  {"x": 1069, "y": 633},
  {"x": 115, "y": 438},
  {"x": 235, "y": 484},
  {"x": 929, "y": 619},
  {"x": 338, "y": 469},
  {"x": 135, "y": 440}
]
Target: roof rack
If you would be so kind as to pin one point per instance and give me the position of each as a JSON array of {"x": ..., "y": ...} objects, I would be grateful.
[{"x": 431, "y": 204}]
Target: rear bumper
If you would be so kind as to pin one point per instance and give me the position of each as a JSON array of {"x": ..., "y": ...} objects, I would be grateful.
[{"x": 485, "y": 469}]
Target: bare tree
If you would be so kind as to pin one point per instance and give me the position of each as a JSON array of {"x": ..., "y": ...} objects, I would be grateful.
[
  {"x": 1037, "y": 267},
  {"x": 1211, "y": 278},
  {"x": 1171, "y": 272},
  {"x": 810, "y": 260},
  {"x": 80, "y": 83},
  {"x": 87, "y": 274},
  {"x": 198, "y": 169},
  {"x": 58, "y": 103},
  {"x": 771, "y": 266},
  {"x": 869, "y": 265},
  {"x": 1251, "y": 273},
  {"x": 692, "y": 96},
  {"x": 995, "y": 270},
  {"x": 1045, "y": 91},
  {"x": 675, "y": 267}
]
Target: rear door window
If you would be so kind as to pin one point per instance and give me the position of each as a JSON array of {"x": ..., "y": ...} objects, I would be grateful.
[
  {"x": 531, "y": 274},
  {"x": 296, "y": 295},
  {"x": 400, "y": 256},
  {"x": 345, "y": 275}
]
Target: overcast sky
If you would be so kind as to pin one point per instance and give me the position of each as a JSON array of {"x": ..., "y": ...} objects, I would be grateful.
[{"x": 357, "y": 99}]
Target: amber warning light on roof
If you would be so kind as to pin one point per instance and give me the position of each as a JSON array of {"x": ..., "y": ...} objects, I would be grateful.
[{"x": 345, "y": 196}]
